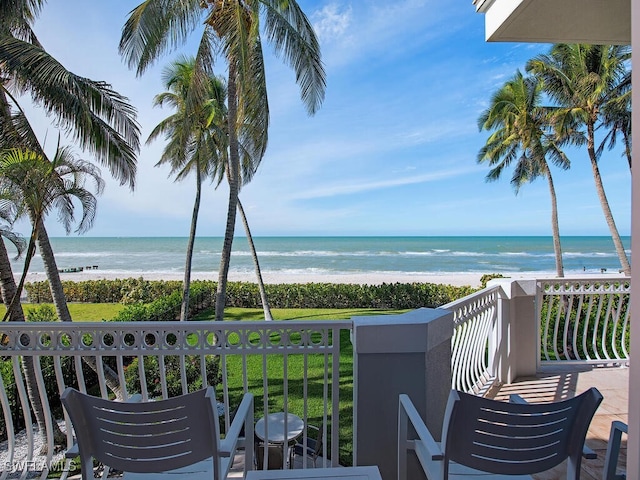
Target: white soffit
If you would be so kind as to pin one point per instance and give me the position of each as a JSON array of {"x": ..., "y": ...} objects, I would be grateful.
[{"x": 557, "y": 21}]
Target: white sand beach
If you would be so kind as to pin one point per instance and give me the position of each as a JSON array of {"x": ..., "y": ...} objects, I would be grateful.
[{"x": 456, "y": 279}]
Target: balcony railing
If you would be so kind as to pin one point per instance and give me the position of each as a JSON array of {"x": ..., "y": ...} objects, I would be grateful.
[
  {"x": 475, "y": 319},
  {"x": 584, "y": 320},
  {"x": 160, "y": 359},
  {"x": 505, "y": 330},
  {"x": 577, "y": 320}
]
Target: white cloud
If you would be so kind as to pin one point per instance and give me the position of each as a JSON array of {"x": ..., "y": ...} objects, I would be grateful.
[
  {"x": 366, "y": 186},
  {"x": 332, "y": 21}
]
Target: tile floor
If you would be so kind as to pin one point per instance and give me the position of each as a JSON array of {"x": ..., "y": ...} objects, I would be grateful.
[{"x": 559, "y": 383}]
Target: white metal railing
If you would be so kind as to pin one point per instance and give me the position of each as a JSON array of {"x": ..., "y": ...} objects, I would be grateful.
[
  {"x": 584, "y": 320},
  {"x": 475, "y": 319},
  {"x": 152, "y": 358}
]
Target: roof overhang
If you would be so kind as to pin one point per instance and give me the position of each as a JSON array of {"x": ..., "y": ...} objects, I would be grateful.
[{"x": 606, "y": 22}]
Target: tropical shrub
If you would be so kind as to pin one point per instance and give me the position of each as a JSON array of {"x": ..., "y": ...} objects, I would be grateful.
[
  {"x": 136, "y": 292},
  {"x": 172, "y": 368},
  {"x": 41, "y": 313}
]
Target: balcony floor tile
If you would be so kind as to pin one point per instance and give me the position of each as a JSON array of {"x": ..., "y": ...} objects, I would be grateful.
[{"x": 558, "y": 383}]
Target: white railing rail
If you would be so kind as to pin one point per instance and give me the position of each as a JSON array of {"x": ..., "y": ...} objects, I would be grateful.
[
  {"x": 235, "y": 357},
  {"x": 584, "y": 320},
  {"x": 475, "y": 320}
]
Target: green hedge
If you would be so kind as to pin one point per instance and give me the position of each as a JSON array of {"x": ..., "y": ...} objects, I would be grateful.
[{"x": 246, "y": 295}]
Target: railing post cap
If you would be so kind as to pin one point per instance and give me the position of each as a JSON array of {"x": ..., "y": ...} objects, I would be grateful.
[{"x": 415, "y": 331}]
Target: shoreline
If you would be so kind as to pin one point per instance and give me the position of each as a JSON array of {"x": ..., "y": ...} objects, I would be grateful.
[{"x": 367, "y": 278}]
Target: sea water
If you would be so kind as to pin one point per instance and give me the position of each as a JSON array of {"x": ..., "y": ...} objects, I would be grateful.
[{"x": 316, "y": 256}]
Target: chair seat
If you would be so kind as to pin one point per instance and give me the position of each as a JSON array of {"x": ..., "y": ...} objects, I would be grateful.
[
  {"x": 433, "y": 470},
  {"x": 298, "y": 448},
  {"x": 198, "y": 471}
]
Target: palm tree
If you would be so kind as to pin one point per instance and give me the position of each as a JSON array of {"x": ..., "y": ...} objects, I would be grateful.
[
  {"x": 520, "y": 134},
  {"x": 203, "y": 150},
  {"x": 40, "y": 186},
  {"x": 233, "y": 26},
  {"x": 254, "y": 255},
  {"x": 198, "y": 149},
  {"x": 98, "y": 118},
  {"x": 583, "y": 80},
  {"x": 9, "y": 211}
]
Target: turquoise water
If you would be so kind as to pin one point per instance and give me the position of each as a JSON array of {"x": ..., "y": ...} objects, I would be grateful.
[{"x": 337, "y": 255}]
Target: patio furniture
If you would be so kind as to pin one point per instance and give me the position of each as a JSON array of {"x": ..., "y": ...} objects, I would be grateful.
[
  {"x": 275, "y": 456},
  {"x": 273, "y": 425},
  {"x": 178, "y": 437},
  {"x": 484, "y": 438},
  {"x": 338, "y": 473},
  {"x": 311, "y": 446},
  {"x": 613, "y": 452},
  {"x": 274, "y": 436}
]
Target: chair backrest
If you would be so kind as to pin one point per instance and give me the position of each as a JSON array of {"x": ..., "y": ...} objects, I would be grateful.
[
  {"x": 153, "y": 437},
  {"x": 314, "y": 440},
  {"x": 517, "y": 438}
]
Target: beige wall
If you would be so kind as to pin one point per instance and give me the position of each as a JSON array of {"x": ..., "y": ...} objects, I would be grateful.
[{"x": 633, "y": 447}]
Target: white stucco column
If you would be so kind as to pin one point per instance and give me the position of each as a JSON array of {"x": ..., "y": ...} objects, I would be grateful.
[
  {"x": 394, "y": 354},
  {"x": 633, "y": 445}
]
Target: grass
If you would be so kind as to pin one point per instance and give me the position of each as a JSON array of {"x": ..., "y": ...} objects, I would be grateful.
[{"x": 80, "y": 312}]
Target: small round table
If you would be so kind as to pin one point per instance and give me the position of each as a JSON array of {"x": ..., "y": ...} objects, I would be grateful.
[{"x": 275, "y": 424}]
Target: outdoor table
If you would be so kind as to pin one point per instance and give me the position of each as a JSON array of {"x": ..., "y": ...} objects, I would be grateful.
[
  {"x": 275, "y": 424},
  {"x": 337, "y": 473}
]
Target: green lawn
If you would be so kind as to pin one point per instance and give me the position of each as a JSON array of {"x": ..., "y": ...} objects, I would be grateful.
[{"x": 81, "y": 312}]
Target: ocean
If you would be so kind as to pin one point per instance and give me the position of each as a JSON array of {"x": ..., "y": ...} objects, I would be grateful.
[{"x": 318, "y": 256}]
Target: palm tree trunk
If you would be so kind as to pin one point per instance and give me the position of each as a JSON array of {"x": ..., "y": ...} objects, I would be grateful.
[
  {"x": 53, "y": 275},
  {"x": 254, "y": 254},
  {"x": 557, "y": 248},
  {"x": 62, "y": 310},
  {"x": 606, "y": 209},
  {"x": 8, "y": 290},
  {"x": 233, "y": 180},
  {"x": 627, "y": 148},
  {"x": 184, "y": 310}
]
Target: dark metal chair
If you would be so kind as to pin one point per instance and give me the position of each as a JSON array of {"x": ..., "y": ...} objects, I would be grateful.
[
  {"x": 178, "y": 437},
  {"x": 484, "y": 437},
  {"x": 309, "y": 445},
  {"x": 613, "y": 452}
]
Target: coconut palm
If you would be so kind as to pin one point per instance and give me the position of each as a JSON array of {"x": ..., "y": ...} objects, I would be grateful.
[
  {"x": 91, "y": 112},
  {"x": 584, "y": 80},
  {"x": 9, "y": 211},
  {"x": 520, "y": 135},
  {"x": 198, "y": 149},
  {"x": 203, "y": 149},
  {"x": 42, "y": 186},
  {"x": 156, "y": 26}
]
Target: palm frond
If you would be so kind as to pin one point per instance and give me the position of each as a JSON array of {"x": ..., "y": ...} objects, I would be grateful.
[
  {"x": 291, "y": 34},
  {"x": 155, "y": 27},
  {"x": 99, "y": 119}
]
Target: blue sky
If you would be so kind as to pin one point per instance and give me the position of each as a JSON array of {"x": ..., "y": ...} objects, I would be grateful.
[{"x": 392, "y": 151}]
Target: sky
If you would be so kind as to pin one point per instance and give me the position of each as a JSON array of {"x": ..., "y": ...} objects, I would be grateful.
[{"x": 392, "y": 151}]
